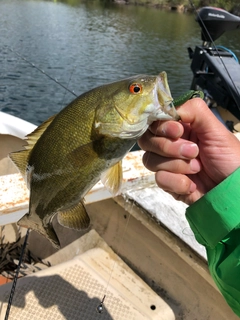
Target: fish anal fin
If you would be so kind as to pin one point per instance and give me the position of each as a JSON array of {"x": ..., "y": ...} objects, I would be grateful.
[
  {"x": 112, "y": 178},
  {"x": 74, "y": 218},
  {"x": 33, "y": 222}
]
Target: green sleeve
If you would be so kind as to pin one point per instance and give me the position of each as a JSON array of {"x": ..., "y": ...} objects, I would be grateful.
[{"x": 215, "y": 221}]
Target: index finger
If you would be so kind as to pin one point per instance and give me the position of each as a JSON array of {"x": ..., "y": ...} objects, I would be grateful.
[
  {"x": 166, "y": 147},
  {"x": 170, "y": 129}
]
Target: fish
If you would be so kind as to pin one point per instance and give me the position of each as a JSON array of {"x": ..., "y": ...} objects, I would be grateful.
[{"x": 84, "y": 143}]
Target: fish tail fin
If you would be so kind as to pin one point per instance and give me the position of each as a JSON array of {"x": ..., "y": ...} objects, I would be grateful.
[
  {"x": 74, "y": 218},
  {"x": 48, "y": 232}
]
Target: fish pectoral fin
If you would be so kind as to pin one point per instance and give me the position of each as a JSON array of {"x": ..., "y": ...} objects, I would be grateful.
[
  {"x": 74, "y": 218},
  {"x": 112, "y": 178},
  {"x": 36, "y": 224}
]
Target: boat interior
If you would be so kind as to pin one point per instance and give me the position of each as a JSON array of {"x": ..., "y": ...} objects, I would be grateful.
[{"x": 138, "y": 259}]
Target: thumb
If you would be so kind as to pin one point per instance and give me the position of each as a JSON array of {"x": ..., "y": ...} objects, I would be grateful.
[{"x": 199, "y": 116}]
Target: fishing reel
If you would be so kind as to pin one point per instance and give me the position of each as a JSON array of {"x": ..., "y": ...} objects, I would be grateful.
[{"x": 216, "y": 70}]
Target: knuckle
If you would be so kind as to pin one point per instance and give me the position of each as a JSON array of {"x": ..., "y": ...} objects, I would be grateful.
[{"x": 183, "y": 185}]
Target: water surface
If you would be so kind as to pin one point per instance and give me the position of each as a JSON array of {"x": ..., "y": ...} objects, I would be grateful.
[{"x": 85, "y": 45}]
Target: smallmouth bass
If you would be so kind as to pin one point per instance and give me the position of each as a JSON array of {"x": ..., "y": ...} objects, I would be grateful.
[{"x": 67, "y": 155}]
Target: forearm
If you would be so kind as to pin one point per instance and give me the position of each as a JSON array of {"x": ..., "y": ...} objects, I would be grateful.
[{"x": 215, "y": 221}]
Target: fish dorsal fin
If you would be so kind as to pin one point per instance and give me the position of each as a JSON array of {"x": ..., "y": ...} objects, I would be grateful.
[
  {"x": 112, "y": 178},
  {"x": 74, "y": 218},
  {"x": 33, "y": 137},
  {"x": 20, "y": 159}
]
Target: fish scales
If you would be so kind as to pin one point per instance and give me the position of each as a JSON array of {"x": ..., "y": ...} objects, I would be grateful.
[{"x": 68, "y": 154}]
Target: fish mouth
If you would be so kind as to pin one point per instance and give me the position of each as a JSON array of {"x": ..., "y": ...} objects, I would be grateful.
[{"x": 163, "y": 101}]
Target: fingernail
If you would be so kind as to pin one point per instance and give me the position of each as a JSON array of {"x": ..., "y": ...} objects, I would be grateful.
[
  {"x": 189, "y": 150},
  {"x": 192, "y": 188},
  {"x": 173, "y": 130},
  {"x": 195, "y": 165}
]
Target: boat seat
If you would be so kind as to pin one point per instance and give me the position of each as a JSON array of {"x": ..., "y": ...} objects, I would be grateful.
[{"x": 76, "y": 288}]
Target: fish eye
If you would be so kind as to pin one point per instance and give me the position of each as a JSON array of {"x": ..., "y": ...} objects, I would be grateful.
[{"x": 135, "y": 88}]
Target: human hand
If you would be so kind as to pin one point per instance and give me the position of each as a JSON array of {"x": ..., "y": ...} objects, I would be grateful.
[{"x": 192, "y": 156}]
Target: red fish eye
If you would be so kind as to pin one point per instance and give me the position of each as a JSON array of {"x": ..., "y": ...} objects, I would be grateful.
[{"x": 135, "y": 88}]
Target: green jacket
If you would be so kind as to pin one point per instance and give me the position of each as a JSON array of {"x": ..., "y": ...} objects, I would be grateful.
[{"x": 215, "y": 221}]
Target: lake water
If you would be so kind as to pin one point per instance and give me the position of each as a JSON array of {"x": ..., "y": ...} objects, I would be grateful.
[{"x": 85, "y": 45}]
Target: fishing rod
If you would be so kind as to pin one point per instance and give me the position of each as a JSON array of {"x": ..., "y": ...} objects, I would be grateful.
[
  {"x": 10, "y": 299},
  {"x": 13, "y": 288},
  {"x": 41, "y": 70}
]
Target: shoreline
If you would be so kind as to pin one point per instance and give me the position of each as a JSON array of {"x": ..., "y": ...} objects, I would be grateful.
[
  {"x": 155, "y": 4},
  {"x": 183, "y": 7}
]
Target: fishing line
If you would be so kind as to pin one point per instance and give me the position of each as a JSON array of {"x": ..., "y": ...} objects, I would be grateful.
[
  {"x": 218, "y": 54},
  {"x": 100, "y": 306},
  {"x": 70, "y": 78},
  {"x": 42, "y": 71}
]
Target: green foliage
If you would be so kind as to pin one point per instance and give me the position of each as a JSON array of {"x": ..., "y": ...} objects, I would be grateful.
[{"x": 224, "y": 4}]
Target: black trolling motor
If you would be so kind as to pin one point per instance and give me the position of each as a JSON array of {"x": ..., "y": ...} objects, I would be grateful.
[{"x": 216, "y": 70}]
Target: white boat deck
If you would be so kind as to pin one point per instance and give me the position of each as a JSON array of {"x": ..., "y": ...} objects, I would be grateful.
[{"x": 138, "y": 185}]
